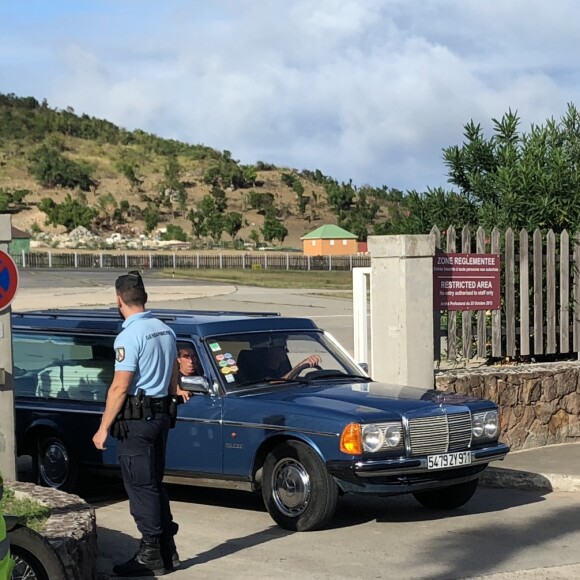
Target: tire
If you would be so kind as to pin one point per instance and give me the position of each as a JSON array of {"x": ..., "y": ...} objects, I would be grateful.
[
  {"x": 34, "y": 558},
  {"x": 297, "y": 489},
  {"x": 448, "y": 498},
  {"x": 54, "y": 465}
]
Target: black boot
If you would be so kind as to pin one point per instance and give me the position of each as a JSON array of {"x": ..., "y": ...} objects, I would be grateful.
[
  {"x": 146, "y": 562},
  {"x": 169, "y": 550}
]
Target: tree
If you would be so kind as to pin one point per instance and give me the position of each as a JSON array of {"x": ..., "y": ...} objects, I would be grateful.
[
  {"x": 233, "y": 223},
  {"x": 174, "y": 232},
  {"x": 151, "y": 217},
  {"x": 51, "y": 169},
  {"x": 273, "y": 228},
  {"x": 71, "y": 213},
  {"x": 521, "y": 180}
]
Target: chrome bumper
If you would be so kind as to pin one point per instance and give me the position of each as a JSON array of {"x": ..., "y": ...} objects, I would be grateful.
[{"x": 404, "y": 465}]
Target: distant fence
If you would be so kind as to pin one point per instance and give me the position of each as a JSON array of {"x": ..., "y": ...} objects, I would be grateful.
[
  {"x": 540, "y": 290},
  {"x": 182, "y": 260}
]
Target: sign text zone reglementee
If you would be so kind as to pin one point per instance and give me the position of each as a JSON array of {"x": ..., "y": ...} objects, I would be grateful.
[{"x": 466, "y": 281}]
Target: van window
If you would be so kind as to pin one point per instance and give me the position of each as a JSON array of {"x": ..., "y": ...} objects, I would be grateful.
[{"x": 62, "y": 367}]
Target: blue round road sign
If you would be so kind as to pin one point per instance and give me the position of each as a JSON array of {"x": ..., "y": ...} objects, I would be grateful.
[{"x": 8, "y": 280}]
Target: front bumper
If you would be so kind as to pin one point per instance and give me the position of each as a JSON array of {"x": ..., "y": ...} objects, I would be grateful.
[{"x": 404, "y": 475}]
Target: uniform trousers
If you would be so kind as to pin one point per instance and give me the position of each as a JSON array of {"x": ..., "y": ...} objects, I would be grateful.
[{"x": 141, "y": 455}]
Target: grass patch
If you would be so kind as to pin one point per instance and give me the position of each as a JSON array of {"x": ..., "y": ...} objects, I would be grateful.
[
  {"x": 32, "y": 512},
  {"x": 338, "y": 280}
]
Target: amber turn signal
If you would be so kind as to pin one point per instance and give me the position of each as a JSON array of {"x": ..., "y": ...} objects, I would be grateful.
[{"x": 351, "y": 440}]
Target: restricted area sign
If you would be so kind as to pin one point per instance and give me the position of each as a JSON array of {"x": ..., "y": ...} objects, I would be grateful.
[
  {"x": 466, "y": 282},
  {"x": 8, "y": 280}
]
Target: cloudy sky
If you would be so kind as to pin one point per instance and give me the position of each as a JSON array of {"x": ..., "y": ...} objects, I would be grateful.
[{"x": 371, "y": 90}]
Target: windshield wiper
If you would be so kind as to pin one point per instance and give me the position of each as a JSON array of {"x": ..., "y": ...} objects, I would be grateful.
[
  {"x": 330, "y": 374},
  {"x": 269, "y": 382}
]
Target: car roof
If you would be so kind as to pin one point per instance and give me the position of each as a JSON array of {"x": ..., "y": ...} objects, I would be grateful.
[{"x": 183, "y": 322}]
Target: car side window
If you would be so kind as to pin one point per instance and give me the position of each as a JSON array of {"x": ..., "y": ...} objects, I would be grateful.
[{"x": 50, "y": 366}]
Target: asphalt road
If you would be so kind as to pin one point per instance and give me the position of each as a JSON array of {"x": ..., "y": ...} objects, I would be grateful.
[{"x": 500, "y": 534}]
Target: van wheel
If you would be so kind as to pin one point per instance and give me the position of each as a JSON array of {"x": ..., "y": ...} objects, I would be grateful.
[
  {"x": 448, "y": 498},
  {"x": 53, "y": 465},
  {"x": 34, "y": 558},
  {"x": 297, "y": 489}
]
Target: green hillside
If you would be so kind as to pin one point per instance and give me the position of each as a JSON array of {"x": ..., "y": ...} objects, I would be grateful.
[{"x": 59, "y": 170}]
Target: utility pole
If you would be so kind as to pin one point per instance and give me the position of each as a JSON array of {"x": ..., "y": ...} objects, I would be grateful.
[{"x": 8, "y": 285}]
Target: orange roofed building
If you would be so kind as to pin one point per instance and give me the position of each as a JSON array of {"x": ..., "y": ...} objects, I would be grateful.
[{"x": 329, "y": 240}]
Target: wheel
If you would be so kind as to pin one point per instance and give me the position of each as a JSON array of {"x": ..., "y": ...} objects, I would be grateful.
[
  {"x": 53, "y": 465},
  {"x": 448, "y": 498},
  {"x": 34, "y": 558},
  {"x": 298, "y": 491},
  {"x": 295, "y": 372}
]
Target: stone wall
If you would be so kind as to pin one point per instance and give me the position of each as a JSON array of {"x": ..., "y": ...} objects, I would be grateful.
[
  {"x": 540, "y": 403},
  {"x": 71, "y": 528}
]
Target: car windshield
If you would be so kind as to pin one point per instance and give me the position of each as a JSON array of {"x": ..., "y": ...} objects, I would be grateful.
[{"x": 251, "y": 360}]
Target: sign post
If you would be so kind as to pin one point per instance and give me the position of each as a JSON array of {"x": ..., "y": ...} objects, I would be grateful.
[{"x": 8, "y": 287}]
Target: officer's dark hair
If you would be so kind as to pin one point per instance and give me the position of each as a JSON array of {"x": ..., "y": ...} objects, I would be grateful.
[{"x": 131, "y": 289}]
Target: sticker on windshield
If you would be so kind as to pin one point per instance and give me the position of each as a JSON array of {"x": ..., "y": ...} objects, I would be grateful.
[
  {"x": 228, "y": 355},
  {"x": 223, "y": 363},
  {"x": 215, "y": 346},
  {"x": 226, "y": 370},
  {"x": 231, "y": 362},
  {"x": 219, "y": 357},
  {"x": 230, "y": 378},
  {"x": 234, "y": 369}
]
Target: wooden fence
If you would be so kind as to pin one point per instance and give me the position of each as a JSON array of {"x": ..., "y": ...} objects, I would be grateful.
[{"x": 540, "y": 288}]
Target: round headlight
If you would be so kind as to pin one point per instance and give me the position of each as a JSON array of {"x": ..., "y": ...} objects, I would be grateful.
[
  {"x": 393, "y": 435},
  {"x": 491, "y": 424},
  {"x": 372, "y": 437},
  {"x": 477, "y": 427}
]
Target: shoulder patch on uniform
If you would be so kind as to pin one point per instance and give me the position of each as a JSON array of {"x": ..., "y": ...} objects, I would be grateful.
[{"x": 120, "y": 354}]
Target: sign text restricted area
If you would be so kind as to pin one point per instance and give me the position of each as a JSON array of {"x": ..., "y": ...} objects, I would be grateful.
[{"x": 466, "y": 282}]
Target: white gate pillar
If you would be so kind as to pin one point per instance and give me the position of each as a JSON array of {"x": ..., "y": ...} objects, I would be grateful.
[{"x": 402, "y": 309}]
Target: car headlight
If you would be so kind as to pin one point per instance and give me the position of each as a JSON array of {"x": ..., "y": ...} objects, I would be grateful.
[
  {"x": 485, "y": 425},
  {"x": 383, "y": 436}
]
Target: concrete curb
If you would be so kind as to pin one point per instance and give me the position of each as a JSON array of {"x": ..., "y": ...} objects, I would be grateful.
[{"x": 529, "y": 481}]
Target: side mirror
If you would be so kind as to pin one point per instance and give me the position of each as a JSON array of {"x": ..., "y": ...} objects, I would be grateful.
[
  {"x": 195, "y": 384},
  {"x": 364, "y": 367}
]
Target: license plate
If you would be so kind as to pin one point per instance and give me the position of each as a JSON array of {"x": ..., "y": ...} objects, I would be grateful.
[{"x": 448, "y": 460}]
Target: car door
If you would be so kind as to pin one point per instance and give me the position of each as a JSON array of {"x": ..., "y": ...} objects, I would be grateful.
[{"x": 195, "y": 443}]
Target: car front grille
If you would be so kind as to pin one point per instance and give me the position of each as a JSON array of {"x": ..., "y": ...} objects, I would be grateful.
[{"x": 439, "y": 433}]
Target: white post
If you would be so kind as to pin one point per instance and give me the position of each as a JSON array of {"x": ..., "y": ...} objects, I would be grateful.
[
  {"x": 126, "y": 262},
  {"x": 150, "y": 261},
  {"x": 101, "y": 260},
  {"x": 50, "y": 259},
  {"x": 174, "y": 261},
  {"x": 308, "y": 263},
  {"x": 197, "y": 260},
  {"x": 76, "y": 260},
  {"x": 7, "y": 438},
  {"x": 23, "y": 259},
  {"x": 265, "y": 261},
  {"x": 329, "y": 262},
  {"x": 360, "y": 317},
  {"x": 287, "y": 261},
  {"x": 402, "y": 307},
  {"x": 243, "y": 261},
  {"x": 221, "y": 261}
]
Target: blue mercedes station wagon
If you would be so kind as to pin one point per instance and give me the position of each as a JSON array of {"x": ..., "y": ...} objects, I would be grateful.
[{"x": 278, "y": 407}]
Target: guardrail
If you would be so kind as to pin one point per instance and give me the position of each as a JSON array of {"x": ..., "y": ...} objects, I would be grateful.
[{"x": 180, "y": 260}]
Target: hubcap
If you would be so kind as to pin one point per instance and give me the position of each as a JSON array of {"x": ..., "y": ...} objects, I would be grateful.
[
  {"x": 22, "y": 570},
  {"x": 54, "y": 465},
  {"x": 290, "y": 487}
]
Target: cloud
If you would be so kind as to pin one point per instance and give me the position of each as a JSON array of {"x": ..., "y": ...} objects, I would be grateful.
[{"x": 371, "y": 90}]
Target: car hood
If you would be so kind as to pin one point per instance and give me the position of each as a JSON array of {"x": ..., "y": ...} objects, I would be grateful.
[{"x": 367, "y": 401}]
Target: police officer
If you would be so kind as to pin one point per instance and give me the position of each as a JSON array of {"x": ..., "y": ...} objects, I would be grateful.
[{"x": 145, "y": 378}]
